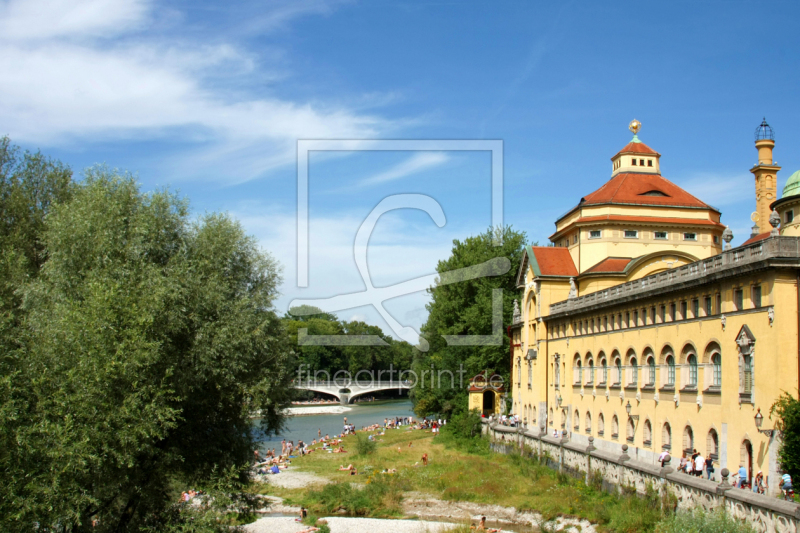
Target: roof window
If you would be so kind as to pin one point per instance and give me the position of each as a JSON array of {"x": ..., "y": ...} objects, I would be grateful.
[{"x": 654, "y": 192}]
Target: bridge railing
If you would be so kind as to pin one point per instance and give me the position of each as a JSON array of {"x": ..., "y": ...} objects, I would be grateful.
[{"x": 349, "y": 383}]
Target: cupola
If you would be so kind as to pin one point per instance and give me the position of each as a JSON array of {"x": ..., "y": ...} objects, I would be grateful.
[{"x": 636, "y": 156}]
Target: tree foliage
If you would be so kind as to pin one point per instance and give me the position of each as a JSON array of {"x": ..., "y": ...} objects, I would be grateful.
[
  {"x": 787, "y": 411},
  {"x": 140, "y": 343},
  {"x": 324, "y": 361},
  {"x": 465, "y": 308}
]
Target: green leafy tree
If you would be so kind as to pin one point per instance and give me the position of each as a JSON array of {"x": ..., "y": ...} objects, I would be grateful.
[
  {"x": 787, "y": 411},
  {"x": 147, "y": 342},
  {"x": 465, "y": 308}
]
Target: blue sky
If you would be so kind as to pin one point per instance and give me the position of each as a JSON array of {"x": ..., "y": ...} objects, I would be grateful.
[{"x": 211, "y": 98}]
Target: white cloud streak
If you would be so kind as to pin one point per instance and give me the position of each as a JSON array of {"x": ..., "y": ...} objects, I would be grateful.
[
  {"x": 65, "y": 81},
  {"x": 416, "y": 163}
]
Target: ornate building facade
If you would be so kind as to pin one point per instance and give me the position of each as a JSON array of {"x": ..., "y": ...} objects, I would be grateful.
[{"x": 637, "y": 327}]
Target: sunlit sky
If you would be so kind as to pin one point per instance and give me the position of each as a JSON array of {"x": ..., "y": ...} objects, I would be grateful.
[{"x": 210, "y": 98}]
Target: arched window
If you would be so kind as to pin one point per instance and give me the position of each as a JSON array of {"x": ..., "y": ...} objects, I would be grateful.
[
  {"x": 591, "y": 372},
  {"x": 614, "y": 427},
  {"x": 604, "y": 364},
  {"x": 670, "y": 370},
  {"x": 634, "y": 372},
  {"x": 692, "y": 360},
  {"x": 716, "y": 363},
  {"x": 618, "y": 364},
  {"x": 651, "y": 371},
  {"x": 563, "y": 418},
  {"x": 576, "y": 423},
  {"x": 688, "y": 440},
  {"x": 631, "y": 428},
  {"x": 550, "y": 420},
  {"x": 588, "y": 423},
  {"x": 601, "y": 424},
  {"x": 666, "y": 437},
  {"x": 712, "y": 445},
  {"x": 647, "y": 433},
  {"x": 578, "y": 372}
]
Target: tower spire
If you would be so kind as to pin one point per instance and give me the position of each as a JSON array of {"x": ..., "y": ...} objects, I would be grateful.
[{"x": 765, "y": 173}]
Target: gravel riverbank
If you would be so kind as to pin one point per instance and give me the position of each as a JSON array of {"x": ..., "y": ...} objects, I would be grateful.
[{"x": 339, "y": 524}]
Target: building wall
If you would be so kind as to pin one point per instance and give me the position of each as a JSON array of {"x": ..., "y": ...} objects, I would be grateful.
[{"x": 775, "y": 368}]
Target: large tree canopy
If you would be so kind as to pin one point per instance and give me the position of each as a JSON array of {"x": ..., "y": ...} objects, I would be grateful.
[
  {"x": 145, "y": 342},
  {"x": 465, "y": 308}
]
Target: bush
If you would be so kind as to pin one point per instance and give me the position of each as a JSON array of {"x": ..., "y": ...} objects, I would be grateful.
[
  {"x": 364, "y": 446},
  {"x": 380, "y": 497},
  {"x": 700, "y": 521}
]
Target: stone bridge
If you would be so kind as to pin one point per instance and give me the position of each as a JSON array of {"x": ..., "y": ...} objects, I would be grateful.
[{"x": 346, "y": 390}]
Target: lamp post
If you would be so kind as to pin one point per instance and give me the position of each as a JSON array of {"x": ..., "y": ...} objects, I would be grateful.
[{"x": 759, "y": 419}]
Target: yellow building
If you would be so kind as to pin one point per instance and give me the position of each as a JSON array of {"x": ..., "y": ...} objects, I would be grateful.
[
  {"x": 637, "y": 328},
  {"x": 486, "y": 394}
]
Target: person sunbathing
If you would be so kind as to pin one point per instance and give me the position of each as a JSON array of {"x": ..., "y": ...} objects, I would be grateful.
[
  {"x": 346, "y": 468},
  {"x": 340, "y": 449}
]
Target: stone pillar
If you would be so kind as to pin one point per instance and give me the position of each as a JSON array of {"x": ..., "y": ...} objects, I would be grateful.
[
  {"x": 589, "y": 450},
  {"x": 665, "y": 469},
  {"x": 542, "y": 429},
  {"x": 724, "y": 487},
  {"x": 621, "y": 467}
]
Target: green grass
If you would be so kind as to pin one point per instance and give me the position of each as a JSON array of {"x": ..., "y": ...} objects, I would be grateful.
[{"x": 462, "y": 469}]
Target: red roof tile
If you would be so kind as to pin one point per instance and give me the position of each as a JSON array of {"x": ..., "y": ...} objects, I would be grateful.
[
  {"x": 759, "y": 237},
  {"x": 642, "y": 189},
  {"x": 552, "y": 261},
  {"x": 611, "y": 264},
  {"x": 637, "y": 148}
]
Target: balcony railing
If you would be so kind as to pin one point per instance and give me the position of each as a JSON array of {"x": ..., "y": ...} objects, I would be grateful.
[{"x": 771, "y": 248}]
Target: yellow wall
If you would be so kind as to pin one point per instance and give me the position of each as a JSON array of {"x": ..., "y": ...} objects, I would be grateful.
[{"x": 775, "y": 362}]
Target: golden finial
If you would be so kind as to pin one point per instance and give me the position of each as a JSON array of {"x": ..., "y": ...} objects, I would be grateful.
[
  {"x": 754, "y": 216},
  {"x": 635, "y": 126}
]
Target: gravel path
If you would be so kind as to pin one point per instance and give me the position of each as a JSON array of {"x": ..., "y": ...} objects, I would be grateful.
[
  {"x": 340, "y": 524},
  {"x": 293, "y": 479}
]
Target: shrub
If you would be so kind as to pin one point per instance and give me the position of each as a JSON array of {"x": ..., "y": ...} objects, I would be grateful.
[
  {"x": 364, "y": 446},
  {"x": 700, "y": 521}
]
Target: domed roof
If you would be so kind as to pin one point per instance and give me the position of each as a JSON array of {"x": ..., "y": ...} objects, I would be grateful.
[{"x": 792, "y": 186}]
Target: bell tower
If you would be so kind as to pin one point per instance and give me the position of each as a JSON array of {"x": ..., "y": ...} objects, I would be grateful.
[{"x": 766, "y": 175}]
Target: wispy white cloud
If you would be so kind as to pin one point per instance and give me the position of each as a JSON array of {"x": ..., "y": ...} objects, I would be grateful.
[
  {"x": 414, "y": 164},
  {"x": 65, "y": 81}
]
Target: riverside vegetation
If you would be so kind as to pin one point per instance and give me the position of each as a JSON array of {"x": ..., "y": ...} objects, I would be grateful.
[{"x": 462, "y": 468}]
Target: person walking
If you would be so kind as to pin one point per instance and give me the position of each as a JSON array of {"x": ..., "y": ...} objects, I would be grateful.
[
  {"x": 709, "y": 467},
  {"x": 699, "y": 463}
]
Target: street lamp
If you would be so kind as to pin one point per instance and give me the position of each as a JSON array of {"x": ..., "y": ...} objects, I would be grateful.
[
  {"x": 628, "y": 408},
  {"x": 759, "y": 419},
  {"x": 558, "y": 400}
]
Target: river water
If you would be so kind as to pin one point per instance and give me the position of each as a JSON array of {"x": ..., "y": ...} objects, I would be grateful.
[{"x": 361, "y": 414}]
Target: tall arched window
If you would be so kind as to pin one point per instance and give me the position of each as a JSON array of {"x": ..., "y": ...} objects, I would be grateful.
[
  {"x": 651, "y": 370},
  {"x": 631, "y": 429},
  {"x": 604, "y": 364},
  {"x": 716, "y": 363},
  {"x": 588, "y": 423},
  {"x": 578, "y": 372},
  {"x": 576, "y": 423},
  {"x": 670, "y": 370},
  {"x": 550, "y": 420},
  {"x": 688, "y": 439},
  {"x": 692, "y": 360},
  {"x": 601, "y": 424},
  {"x": 634, "y": 371},
  {"x": 712, "y": 445},
  {"x": 647, "y": 433},
  {"x": 614, "y": 427},
  {"x": 618, "y": 364},
  {"x": 666, "y": 437}
]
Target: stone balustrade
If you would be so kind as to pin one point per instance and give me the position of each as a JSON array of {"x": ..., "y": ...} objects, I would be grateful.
[{"x": 618, "y": 471}]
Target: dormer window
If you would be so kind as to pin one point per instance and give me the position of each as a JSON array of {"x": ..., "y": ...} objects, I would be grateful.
[
  {"x": 633, "y": 161},
  {"x": 649, "y": 162},
  {"x": 641, "y": 162},
  {"x": 654, "y": 192}
]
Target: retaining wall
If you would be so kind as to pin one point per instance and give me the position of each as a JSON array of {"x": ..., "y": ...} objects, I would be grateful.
[{"x": 618, "y": 471}]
